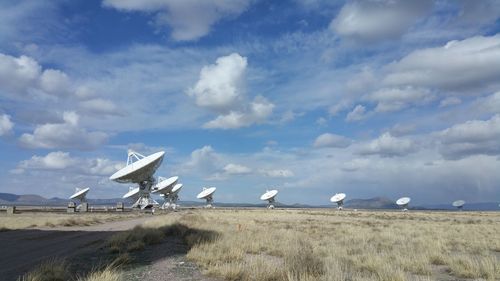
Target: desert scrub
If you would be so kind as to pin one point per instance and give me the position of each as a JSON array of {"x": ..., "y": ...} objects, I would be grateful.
[
  {"x": 135, "y": 239},
  {"x": 51, "y": 270}
]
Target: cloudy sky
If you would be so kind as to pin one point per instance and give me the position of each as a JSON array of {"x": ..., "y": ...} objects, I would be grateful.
[{"x": 371, "y": 98}]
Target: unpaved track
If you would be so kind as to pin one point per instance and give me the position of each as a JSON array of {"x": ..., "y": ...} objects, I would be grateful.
[{"x": 21, "y": 250}]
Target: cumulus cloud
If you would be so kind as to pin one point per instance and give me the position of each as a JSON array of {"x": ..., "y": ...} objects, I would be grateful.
[
  {"x": 388, "y": 146},
  {"x": 458, "y": 66},
  {"x": 332, "y": 140},
  {"x": 395, "y": 99},
  {"x": 377, "y": 20},
  {"x": 236, "y": 169},
  {"x": 357, "y": 114},
  {"x": 189, "y": 20},
  {"x": 59, "y": 161},
  {"x": 204, "y": 160},
  {"x": 221, "y": 89},
  {"x": 5, "y": 125},
  {"x": 63, "y": 135},
  {"x": 471, "y": 138}
]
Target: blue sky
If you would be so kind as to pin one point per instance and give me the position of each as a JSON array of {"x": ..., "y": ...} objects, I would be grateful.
[{"x": 370, "y": 98}]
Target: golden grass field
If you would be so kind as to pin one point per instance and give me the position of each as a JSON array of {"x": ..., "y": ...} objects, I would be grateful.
[{"x": 327, "y": 244}]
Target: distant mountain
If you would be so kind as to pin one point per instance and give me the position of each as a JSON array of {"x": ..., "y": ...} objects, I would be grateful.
[{"x": 372, "y": 203}]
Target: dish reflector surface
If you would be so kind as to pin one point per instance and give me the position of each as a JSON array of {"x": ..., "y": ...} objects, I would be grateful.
[
  {"x": 80, "y": 193},
  {"x": 206, "y": 192},
  {"x": 403, "y": 201},
  {"x": 140, "y": 170},
  {"x": 177, "y": 188},
  {"x": 269, "y": 194},
  {"x": 337, "y": 197},
  {"x": 165, "y": 185},
  {"x": 458, "y": 203},
  {"x": 132, "y": 192}
]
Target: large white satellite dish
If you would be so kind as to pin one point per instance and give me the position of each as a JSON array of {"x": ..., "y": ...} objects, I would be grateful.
[
  {"x": 459, "y": 204},
  {"x": 140, "y": 169},
  {"x": 269, "y": 196},
  {"x": 164, "y": 185},
  {"x": 133, "y": 192},
  {"x": 339, "y": 199},
  {"x": 403, "y": 203},
  {"x": 207, "y": 194}
]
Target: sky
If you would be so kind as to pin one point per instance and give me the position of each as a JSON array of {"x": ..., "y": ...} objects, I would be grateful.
[{"x": 371, "y": 98}]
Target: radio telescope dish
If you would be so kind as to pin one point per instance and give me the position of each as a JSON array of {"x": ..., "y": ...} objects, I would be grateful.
[
  {"x": 80, "y": 194},
  {"x": 269, "y": 197},
  {"x": 140, "y": 169},
  {"x": 207, "y": 194},
  {"x": 459, "y": 204},
  {"x": 339, "y": 199},
  {"x": 403, "y": 203},
  {"x": 165, "y": 185},
  {"x": 133, "y": 192},
  {"x": 172, "y": 197}
]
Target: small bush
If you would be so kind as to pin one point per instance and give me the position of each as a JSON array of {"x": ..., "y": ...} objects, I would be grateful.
[{"x": 51, "y": 270}]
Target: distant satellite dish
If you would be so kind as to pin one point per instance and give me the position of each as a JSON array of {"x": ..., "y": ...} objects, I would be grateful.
[
  {"x": 269, "y": 196},
  {"x": 459, "y": 204},
  {"x": 339, "y": 199},
  {"x": 207, "y": 194},
  {"x": 80, "y": 194},
  {"x": 172, "y": 197},
  {"x": 140, "y": 169},
  {"x": 132, "y": 193},
  {"x": 165, "y": 185},
  {"x": 403, "y": 203}
]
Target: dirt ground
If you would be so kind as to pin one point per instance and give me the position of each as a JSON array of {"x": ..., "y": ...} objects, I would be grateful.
[{"x": 82, "y": 248}]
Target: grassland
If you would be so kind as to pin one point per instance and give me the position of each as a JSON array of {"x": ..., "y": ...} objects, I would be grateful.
[
  {"x": 45, "y": 219},
  {"x": 324, "y": 244},
  {"x": 332, "y": 245}
]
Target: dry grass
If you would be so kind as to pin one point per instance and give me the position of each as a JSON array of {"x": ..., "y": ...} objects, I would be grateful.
[
  {"x": 58, "y": 270},
  {"x": 332, "y": 245},
  {"x": 32, "y": 220}
]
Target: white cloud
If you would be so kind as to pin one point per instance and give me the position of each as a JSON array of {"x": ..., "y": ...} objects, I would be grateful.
[
  {"x": 395, "y": 99},
  {"x": 100, "y": 106},
  {"x": 23, "y": 75},
  {"x": 189, "y": 20},
  {"x": 221, "y": 85},
  {"x": 278, "y": 173},
  {"x": 471, "y": 138},
  {"x": 449, "y": 101},
  {"x": 473, "y": 63},
  {"x": 236, "y": 169},
  {"x": 63, "y": 135},
  {"x": 357, "y": 114},
  {"x": 376, "y": 20},
  {"x": 5, "y": 125},
  {"x": 332, "y": 140},
  {"x": 388, "y": 146},
  {"x": 63, "y": 162},
  {"x": 221, "y": 89}
]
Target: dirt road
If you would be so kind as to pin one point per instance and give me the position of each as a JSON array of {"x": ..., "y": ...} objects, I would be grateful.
[{"x": 21, "y": 250}]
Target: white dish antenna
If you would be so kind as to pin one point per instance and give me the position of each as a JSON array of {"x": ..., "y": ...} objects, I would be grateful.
[
  {"x": 165, "y": 185},
  {"x": 459, "y": 204},
  {"x": 269, "y": 196},
  {"x": 172, "y": 197},
  {"x": 80, "y": 194},
  {"x": 133, "y": 192},
  {"x": 339, "y": 199},
  {"x": 403, "y": 203},
  {"x": 140, "y": 169},
  {"x": 207, "y": 194}
]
